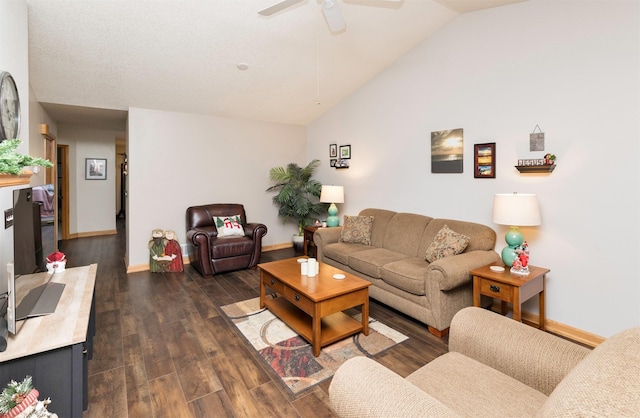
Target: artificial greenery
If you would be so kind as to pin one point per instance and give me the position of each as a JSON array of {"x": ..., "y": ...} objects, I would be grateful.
[
  {"x": 298, "y": 193},
  {"x": 12, "y": 163},
  {"x": 14, "y": 393}
]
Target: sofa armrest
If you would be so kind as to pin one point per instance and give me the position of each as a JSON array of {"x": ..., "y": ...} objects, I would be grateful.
[
  {"x": 325, "y": 236},
  {"x": 453, "y": 271},
  {"x": 363, "y": 388},
  {"x": 536, "y": 358}
]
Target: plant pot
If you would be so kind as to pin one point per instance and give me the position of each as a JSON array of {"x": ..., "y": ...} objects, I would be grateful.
[{"x": 298, "y": 244}]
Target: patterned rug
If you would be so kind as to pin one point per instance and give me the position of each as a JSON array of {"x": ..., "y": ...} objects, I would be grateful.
[{"x": 291, "y": 357}]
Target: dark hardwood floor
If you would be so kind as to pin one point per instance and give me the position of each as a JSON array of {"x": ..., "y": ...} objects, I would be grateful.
[{"x": 163, "y": 348}]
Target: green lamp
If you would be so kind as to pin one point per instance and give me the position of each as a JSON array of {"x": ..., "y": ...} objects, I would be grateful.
[
  {"x": 333, "y": 195},
  {"x": 515, "y": 209}
]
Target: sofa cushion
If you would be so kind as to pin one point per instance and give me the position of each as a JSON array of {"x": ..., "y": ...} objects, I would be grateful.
[
  {"x": 408, "y": 274},
  {"x": 404, "y": 233},
  {"x": 229, "y": 226},
  {"x": 481, "y": 237},
  {"x": 357, "y": 229},
  {"x": 341, "y": 251},
  {"x": 370, "y": 261},
  {"x": 602, "y": 384},
  {"x": 447, "y": 242},
  {"x": 473, "y": 389}
]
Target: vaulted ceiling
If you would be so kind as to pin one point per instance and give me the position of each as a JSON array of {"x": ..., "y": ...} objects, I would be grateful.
[{"x": 90, "y": 60}]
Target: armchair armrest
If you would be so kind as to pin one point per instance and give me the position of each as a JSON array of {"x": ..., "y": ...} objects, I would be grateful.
[
  {"x": 536, "y": 358},
  {"x": 255, "y": 230},
  {"x": 325, "y": 236},
  {"x": 451, "y": 272},
  {"x": 362, "y": 387}
]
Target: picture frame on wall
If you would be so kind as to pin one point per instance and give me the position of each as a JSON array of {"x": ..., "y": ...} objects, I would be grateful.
[
  {"x": 484, "y": 161},
  {"x": 333, "y": 150},
  {"x": 95, "y": 168},
  {"x": 345, "y": 152},
  {"x": 332, "y": 162}
]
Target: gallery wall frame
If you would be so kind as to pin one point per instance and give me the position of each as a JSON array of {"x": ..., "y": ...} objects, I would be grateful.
[
  {"x": 345, "y": 152},
  {"x": 484, "y": 160},
  {"x": 95, "y": 168},
  {"x": 333, "y": 150}
]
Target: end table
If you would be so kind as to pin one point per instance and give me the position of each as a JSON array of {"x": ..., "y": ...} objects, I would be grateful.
[
  {"x": 510, "y": 288},
  {"x": 308, "y": 237}
]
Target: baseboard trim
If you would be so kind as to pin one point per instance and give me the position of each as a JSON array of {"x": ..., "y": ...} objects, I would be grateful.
[
  {"x": 92, "y": 234},
  {"x": 274, "y": 247},
  {"x": 558, "y": 328},
  {"x": 569, "y": 332}
]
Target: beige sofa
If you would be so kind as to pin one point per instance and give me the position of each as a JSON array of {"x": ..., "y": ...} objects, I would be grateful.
[
  {"x": 497, "y": 367},
  {"x": 395, "y": 264}
]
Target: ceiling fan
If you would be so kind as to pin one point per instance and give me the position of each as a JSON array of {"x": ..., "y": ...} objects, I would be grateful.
[{"x": 330, "y": 10}]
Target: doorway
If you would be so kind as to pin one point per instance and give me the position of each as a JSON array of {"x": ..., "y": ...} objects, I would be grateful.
[{"x": 62, "y": 172}]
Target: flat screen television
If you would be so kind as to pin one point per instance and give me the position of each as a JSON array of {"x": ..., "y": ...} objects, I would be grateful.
[{"x": 28, "y": 258}]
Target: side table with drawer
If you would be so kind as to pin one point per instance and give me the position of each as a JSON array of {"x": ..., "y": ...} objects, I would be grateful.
[{"x": 510, "y": 288}]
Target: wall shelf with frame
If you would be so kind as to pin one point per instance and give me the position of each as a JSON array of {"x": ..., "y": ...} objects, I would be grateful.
[{"x": 535, "y": 168}]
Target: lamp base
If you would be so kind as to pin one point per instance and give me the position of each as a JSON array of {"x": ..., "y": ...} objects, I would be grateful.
[
  {"x": 509, "y": 255},
  {"x": 332, "y": 219}
]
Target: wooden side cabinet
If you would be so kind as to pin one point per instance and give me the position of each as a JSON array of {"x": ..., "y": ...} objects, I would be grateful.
[
  {"x": 510, "y": 288},
  {"x": 55, "y": 349}
]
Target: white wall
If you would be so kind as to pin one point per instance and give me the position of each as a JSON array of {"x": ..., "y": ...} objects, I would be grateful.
[
  {"x": 14, "y": 59},
  {"x": 179, "y": 160},
  {"x": 92, "y": 203},
  {"x": 572, "y": 67}
]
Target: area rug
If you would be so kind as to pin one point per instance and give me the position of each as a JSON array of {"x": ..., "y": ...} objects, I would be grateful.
[{"x": 291, "y": 357}]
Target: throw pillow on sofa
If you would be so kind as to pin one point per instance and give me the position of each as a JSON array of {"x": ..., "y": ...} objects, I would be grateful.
[
  {"x": 357, "y": 229},
  {"x": 447, "y": 242},
  {"x": 229, "y": 226}
]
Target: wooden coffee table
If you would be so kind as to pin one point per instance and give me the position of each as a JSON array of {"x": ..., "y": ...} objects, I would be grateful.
[{"x": 312, "y": 306}]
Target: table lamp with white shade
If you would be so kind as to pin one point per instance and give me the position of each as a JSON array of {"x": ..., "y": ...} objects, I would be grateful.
[
  {"x": 333, "y": 195},
  {"x": 515, "y": 209}
]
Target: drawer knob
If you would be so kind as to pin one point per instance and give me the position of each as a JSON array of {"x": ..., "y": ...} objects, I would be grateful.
[
  {"x": 272, "y": 281},
  {"x": 494, "y": 288},
  {"x": 297, "y": 298}
]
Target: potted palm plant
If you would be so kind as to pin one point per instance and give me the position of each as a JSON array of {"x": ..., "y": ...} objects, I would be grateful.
[{"x": 298, "y": 196}]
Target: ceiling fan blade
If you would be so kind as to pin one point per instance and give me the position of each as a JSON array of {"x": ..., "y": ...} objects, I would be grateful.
[
  {"x": 278, "y": 7},
  {"x": 333, "y": 16}
]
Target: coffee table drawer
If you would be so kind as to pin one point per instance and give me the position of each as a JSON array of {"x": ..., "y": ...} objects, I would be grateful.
[
  {"x": 273, "y": 284},
  {"x": 299, "y": 300}
]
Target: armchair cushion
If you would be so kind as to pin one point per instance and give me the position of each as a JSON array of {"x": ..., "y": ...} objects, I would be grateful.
[{"x": 228, "y": 226}]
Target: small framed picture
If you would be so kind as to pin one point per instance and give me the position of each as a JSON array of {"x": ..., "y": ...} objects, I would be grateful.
[
  {"x": 332, "y": 162},
  {"x": 484, "y": 161},
  {"x": 345, "y": 152},
  {"x": 333, "y": 151},
  {"x": 95, "y": 168}
]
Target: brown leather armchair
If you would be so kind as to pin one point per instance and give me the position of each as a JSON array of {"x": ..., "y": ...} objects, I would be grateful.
[{"x": 213, "y": 254}]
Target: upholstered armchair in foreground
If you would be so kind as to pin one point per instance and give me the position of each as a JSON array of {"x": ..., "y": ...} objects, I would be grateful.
[{"x": 222, "y": 238}]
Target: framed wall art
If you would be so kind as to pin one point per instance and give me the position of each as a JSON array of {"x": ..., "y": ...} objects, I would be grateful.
[
  {"x": 484, "y": 161},
  {"x": 345, "y": 152},
  {"x": 446, "y": 151},
  {"x": 95, "y": 168},
  {"x": 333, "y": 151}
]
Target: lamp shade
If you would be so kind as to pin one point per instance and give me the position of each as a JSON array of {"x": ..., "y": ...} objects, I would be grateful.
[
  {"x": 332, "y": 194},
  {"x": 516, "y": 209}
]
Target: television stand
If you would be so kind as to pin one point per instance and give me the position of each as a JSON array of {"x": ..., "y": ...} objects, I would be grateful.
[
  {"x": 41, "y": 300},
  {"x": 55, "y": 349}
]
